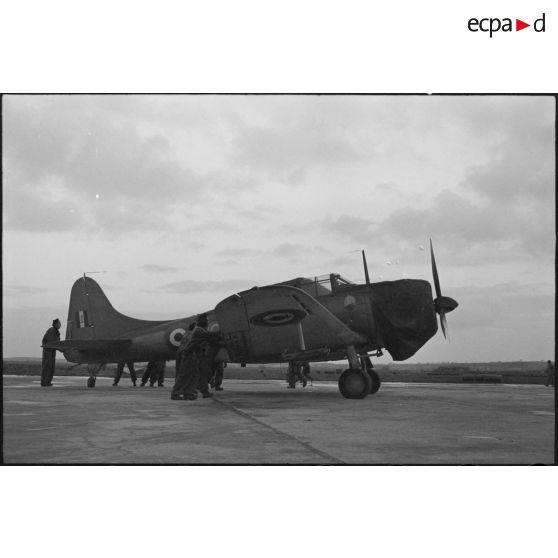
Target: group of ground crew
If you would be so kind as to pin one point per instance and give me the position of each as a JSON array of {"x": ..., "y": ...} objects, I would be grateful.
[
  {"x": 200, "y": 359},
  {"x": 199, "y": 364},
  {"x": 154, "y": 373}
]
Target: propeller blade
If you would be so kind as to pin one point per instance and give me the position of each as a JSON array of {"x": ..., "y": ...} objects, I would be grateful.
[
  {"x": 442, "y": 304},
  {"x": 435, "y": 271},
  {"x": 366, "y": 276},
  {"x": 444, "y": 324}
]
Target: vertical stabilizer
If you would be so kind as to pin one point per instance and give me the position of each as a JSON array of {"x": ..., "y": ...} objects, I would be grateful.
[{"x": 92, "y": 316}]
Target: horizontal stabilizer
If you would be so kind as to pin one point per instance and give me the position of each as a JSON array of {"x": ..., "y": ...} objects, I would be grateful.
[{"x": 89, "y": 344}]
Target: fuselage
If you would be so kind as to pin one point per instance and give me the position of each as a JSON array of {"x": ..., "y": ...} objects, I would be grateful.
[{"x": 397, "y": 315}]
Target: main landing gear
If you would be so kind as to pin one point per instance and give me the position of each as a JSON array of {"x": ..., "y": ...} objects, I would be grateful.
[{"x": 360, "y": 380}]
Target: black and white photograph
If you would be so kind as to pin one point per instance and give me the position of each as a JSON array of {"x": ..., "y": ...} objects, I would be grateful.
[
  {"x": 294, "y": 279},
  {"x": 278, "y": 278}
]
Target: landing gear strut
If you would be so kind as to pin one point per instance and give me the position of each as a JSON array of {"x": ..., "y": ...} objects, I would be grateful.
[{"x": 374, "y": 378}]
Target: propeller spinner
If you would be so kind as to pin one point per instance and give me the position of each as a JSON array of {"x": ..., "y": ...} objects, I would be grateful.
[{"x": 443, "y": 304}]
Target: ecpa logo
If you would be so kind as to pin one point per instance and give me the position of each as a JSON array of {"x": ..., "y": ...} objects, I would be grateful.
[{"x": 492, "y": 25}]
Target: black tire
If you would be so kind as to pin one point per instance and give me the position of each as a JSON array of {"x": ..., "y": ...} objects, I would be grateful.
[
  {"x": 375, "y": 380},
  {"x": 354, "y": 384},
  {"x": 91, "y": 382}
]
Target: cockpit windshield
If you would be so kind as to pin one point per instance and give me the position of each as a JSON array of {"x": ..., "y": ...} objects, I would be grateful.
[
  {"x": 321, "y": 285},
  {"x": 340, "y": 281}
]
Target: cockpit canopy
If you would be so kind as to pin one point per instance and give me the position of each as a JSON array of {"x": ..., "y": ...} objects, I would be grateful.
[{"x": 321, "y": 285}]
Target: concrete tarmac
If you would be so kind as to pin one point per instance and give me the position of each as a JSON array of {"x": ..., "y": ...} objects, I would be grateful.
[{"x": 262, "y": 422}]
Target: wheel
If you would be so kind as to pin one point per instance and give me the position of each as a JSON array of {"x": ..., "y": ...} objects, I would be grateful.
[
  {"x": 91, "y": 382},
  {"x": 374, "y": 380},
  {"x": 354, "y": 384}
]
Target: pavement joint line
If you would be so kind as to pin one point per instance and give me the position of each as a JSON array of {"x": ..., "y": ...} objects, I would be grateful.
[
  {"x": 307, "y": 445},
  {"x": 483, "y": 437},
  {"x": 42, "y": 428}
]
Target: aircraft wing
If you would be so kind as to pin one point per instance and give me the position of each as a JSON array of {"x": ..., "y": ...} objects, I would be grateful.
[
  {"x": 262, "y": 324},
  {"x": 88, "y": 344}
]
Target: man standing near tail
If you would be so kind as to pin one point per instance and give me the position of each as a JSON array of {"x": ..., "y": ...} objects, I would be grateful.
[{"x": 52, "y": 335}]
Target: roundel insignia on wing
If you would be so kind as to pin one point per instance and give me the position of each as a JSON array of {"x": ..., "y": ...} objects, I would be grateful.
[
  {"x": 273, "y": 318},
  {"x": 176, "y": 336},
  {"x": 215, "y": 327}
]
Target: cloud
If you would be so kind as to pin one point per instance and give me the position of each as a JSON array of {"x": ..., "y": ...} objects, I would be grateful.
[
  {"x": 238, "y": 252},
  {"x": 287, "y": 150},
  {"x": 504, "y": 306},
  {"x": 159, "y": 268},
  {"x": 208, "y": 224},
  {"x": 277, "y": 149},
  {"x": 28, "y": 210},
  {"x": 191, "y": 286},
  {"x": 229, "y": 262},
  {"x": 297, "y": 253},
  {"x": 352, "y": 228},
  {"x": 506, "y": 233},
  {"x": 501, "y": 209},
  {"x": 23, "y": 329},
  {"x": 69, "y": 166},
  {"x": 388, "y": 187},
  {"x": 494, "y": 117},
  {"x": 22, "y": 290},
  {"x": 257, "y": 213},
  {"x": 521, "y": 171},
  {"x": 292, "y": 252}
]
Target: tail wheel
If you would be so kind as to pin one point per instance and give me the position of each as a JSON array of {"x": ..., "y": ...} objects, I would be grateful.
[
  {"x": 91, "y": 382},
  {"x": 374, "y": 380},
  {"x": 355, "y": 384}
]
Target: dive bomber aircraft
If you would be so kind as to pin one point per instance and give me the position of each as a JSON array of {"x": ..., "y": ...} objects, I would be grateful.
[{"x": 302, "y": 319}]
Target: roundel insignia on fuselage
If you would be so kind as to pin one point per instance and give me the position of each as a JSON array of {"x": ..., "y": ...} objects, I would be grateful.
[
  {"x": 176, "y": 335},
  {"x": 274, "y": 318}
]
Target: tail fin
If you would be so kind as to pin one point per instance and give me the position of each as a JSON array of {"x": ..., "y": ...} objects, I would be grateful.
[{"x": 91, "y": 315}]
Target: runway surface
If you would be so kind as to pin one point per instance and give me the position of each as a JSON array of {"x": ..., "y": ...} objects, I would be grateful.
[{"x": 262, "y": 422}]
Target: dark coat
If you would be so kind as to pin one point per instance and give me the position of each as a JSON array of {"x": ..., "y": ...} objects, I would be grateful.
[{"x": 52, "y": 335}]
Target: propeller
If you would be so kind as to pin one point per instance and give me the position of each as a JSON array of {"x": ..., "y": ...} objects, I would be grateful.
[
  {"x": 372, "y": 323},
  {"x": 443, "y": 304},
  {"x": 366, "y": 276}
]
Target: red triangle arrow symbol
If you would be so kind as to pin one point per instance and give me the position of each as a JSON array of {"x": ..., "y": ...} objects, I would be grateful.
[{"x": 519, "y": 25}]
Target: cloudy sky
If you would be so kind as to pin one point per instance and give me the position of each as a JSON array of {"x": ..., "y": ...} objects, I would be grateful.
[{"x": 182, "y": 200}]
